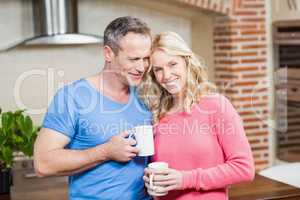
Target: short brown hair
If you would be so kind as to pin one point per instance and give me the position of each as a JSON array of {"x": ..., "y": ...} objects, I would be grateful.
[{"x": 119, "y": 27}]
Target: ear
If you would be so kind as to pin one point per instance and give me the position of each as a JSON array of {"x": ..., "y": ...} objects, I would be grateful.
[{"x": 108, "y": 53}]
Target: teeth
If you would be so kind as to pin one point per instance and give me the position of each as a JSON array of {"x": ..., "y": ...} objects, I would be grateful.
[{"x": 172, "y": 83}]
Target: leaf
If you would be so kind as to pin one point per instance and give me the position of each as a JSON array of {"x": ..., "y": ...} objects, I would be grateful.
[
  {"x": 7, "y": 155},
  {"x": 18, "y": 139},
  {"x": 28, "y": 124},
  {"x": 17, "y": 133},
  {"x": 20, "y": 122},
  {"x": 3, "y": 138},
  {"x": 7, "y": 120},
  {"x": 27, "y": 149},
  {"x": 19, "y": 112}
]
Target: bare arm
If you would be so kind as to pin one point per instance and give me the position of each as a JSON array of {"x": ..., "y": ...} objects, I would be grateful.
[{"x": 51, "y": 158}]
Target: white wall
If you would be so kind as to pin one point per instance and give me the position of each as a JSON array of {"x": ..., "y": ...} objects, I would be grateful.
[
  {"x": 66, "y": 63},
  {"x": 281, "y": 10},
  {"x": 202, "y": 41}
]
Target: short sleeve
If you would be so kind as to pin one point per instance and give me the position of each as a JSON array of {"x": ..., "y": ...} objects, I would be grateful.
[{"x": 61, "y": 115}]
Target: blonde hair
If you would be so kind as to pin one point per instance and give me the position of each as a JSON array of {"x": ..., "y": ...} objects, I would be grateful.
[{"x": 158, "y": 99}]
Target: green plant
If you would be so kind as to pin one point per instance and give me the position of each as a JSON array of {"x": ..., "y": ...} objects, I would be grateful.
[{"x": 17, "y": 133}]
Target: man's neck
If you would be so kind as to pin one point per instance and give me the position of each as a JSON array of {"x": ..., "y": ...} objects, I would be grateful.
[{"x": 110, "y": 83}]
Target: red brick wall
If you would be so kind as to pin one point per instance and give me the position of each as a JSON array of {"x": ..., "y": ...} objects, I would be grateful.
[
  {"x": 218, "y": 6},
  {"x": 240, "y": 65},
  {"x": 241, "y": 71}
]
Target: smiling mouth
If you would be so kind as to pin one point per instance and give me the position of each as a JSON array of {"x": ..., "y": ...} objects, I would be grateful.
[
  {"x": 171, "y": 83},
  {"x": 136, "y": 75}
]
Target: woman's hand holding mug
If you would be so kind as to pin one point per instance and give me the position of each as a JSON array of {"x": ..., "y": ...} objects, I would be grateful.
[{"x": 159, "y": 179}]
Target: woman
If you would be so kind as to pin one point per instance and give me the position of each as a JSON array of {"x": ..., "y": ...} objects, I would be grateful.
[{"x": 197, "y": 131}]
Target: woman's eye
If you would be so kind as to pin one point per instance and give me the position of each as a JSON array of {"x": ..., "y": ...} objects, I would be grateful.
[
  {"x": 173, "y": 64},
  {"x": 157, "y": 69},
  {"x": 134, "y": 59}
]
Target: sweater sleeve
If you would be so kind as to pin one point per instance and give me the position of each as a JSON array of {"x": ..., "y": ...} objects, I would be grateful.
[{"x": 238, "y": 165}]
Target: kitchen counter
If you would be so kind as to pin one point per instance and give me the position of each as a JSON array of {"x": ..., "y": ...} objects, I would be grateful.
[
  {"x": 56, "y": 188},
  {"x": 263, "y": 188},
  {"x": 26, "y": 186}
]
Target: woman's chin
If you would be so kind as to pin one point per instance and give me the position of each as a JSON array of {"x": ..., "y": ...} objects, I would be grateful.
[{"x": 174, "y": 91}]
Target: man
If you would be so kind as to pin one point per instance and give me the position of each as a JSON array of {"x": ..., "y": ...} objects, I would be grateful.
[{"x": 84, "y": 130}]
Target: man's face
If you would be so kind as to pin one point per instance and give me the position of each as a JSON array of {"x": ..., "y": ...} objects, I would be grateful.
[{"x": 132, "y": 60}]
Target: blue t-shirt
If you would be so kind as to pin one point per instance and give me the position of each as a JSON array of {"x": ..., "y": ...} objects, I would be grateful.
[{"x": 88, "y": 118}]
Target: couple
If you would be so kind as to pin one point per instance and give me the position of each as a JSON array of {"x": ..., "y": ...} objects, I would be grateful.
[{"x": 144, "y": 81}]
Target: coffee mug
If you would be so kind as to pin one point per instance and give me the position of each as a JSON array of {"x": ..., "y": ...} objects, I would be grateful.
[
  {"x": 155, "y": 166},
  {"x": 143, "y": 136}
]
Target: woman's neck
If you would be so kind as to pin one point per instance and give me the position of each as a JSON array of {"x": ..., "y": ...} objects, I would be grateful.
[{"x": 178, "y": 103}]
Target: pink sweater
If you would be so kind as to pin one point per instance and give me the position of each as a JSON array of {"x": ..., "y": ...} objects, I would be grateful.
[{"x": 208, "y": 145}]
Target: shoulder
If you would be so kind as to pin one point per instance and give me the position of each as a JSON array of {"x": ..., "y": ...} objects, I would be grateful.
[
  {"x": 215, "y": 101},
  {"x": 218, "y": 105},
  {"x": 138, "y": 99},
  {"x": 69, "y": 88},
  {"x": 72, "y": 91},
  {"x": 80, "y": 88}
]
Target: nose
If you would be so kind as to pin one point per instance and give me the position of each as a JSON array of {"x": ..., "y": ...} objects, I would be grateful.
[
  {"x": 141, "y": 66},
  {"x": 166, "y": 74}
]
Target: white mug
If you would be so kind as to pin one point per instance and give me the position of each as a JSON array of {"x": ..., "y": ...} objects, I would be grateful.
[
  {"x": 144, "y": 139},
  {"x": 156, "y": 166}
]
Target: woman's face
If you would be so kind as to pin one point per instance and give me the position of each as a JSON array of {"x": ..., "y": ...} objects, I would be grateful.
[{"x": 170, "y": 71}]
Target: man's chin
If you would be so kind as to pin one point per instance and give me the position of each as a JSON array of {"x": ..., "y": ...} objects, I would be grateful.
[{"x": 134, "y": 83}]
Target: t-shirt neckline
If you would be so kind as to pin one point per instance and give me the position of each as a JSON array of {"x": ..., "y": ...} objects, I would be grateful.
[{"x": 131, "y": 92}]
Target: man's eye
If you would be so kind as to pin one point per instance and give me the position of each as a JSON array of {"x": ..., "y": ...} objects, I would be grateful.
[
  {"x": 173, "y": 64},
  {"x": 157, "y": 69}
]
